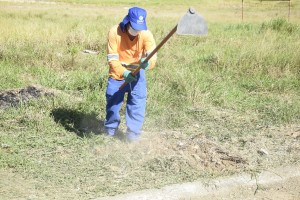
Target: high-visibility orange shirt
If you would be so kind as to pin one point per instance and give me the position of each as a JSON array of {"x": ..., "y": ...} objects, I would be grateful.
[{"x": 122, "y": 53}]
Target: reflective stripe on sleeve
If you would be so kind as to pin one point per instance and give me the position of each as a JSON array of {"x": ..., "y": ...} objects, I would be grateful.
[{"x": 111, "y": 57}]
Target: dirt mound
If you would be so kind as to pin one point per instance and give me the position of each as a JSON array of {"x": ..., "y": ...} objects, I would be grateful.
[
  {"x": 172, "y": 157},
  {"x": 196, "y": 152},
  {"x": 16, "y": 97}
]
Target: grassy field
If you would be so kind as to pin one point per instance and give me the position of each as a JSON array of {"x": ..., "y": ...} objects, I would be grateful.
[{"x": 217, "y": 105}]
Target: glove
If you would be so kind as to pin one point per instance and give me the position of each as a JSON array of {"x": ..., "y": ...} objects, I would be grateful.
[
  {"x": 128, "y": 76},
  {"x": 146, "y": 65}
]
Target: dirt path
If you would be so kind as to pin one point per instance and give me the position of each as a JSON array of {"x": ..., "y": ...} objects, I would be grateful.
[{"x": 281, "y": 183}]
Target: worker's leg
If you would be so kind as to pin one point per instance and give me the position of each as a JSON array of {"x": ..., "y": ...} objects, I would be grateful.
[
  {"x": 135, "y": 107},
  {"x": 114, "y": 99}
]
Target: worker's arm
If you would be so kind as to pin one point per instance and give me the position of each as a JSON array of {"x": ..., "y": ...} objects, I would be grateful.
[
  {"x": 116, "y": 70},
  {"x": 149, "y": 46}
]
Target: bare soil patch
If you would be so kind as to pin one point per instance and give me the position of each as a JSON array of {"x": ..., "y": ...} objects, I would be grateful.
[{"x": 16, "y": 97}]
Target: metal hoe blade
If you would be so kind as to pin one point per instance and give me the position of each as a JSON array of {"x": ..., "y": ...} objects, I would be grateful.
[{"x": 192, "y": 24}]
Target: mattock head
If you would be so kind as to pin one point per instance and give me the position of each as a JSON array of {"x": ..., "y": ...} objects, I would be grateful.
[{"x": 192, "y": 24}]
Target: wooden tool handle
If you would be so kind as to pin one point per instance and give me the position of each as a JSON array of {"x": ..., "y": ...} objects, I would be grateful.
[{"x": 152, "y": 53}]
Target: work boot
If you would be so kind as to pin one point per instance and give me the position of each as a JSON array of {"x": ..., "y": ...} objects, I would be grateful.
[
  {"x": 132, "y": 137},
  {"x": 110, "y": 132}
]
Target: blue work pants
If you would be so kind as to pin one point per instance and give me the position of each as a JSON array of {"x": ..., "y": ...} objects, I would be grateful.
[{"x": 135, "y": 105}]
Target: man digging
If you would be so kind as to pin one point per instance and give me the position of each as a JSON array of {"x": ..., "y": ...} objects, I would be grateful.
[{"x": 128, "y": 45}]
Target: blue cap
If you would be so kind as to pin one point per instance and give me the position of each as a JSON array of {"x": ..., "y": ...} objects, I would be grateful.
[{"x": 137, "y": 18}]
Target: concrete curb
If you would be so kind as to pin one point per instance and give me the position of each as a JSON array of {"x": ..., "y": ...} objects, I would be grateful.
[{"x": 198, "y": 189}]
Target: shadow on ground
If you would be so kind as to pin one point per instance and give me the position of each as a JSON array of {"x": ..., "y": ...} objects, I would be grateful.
[{"x": 83, "y": 124}]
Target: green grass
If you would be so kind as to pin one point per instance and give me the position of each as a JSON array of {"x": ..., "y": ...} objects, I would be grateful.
[
  {"x": 241, "y": 76},
  {"x": 240, "y": 67}
]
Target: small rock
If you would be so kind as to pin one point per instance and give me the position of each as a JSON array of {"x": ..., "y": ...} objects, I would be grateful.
[
  {"x": 196, "y": 157},
  {"x": 263, "y": 152},
  {"x": 197, "y": 125},
  {"x": 5, "y": 146},
  {"x": 295, "y": 135},
  {"x": 90, "y": 51}
]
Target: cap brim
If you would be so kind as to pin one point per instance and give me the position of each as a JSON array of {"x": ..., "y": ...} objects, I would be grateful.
[{"x": 138, "y": 27}]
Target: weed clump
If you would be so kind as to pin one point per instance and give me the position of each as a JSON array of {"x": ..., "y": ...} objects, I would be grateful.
[{"x": 280, "y": 25}]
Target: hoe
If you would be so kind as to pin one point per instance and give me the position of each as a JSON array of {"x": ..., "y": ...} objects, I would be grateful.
[{"x": 190, "y": 24}]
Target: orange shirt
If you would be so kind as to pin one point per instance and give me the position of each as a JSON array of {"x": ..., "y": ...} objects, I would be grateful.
[{"x": 122, "y": 53}]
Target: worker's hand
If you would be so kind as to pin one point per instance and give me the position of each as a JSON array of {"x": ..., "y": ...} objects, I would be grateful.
[
  {"x": 128, "y": 76},
  {"x": 145, "y": 65}
]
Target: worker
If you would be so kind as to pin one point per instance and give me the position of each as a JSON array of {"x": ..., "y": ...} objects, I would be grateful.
[{"x": 128, "y": 45}]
